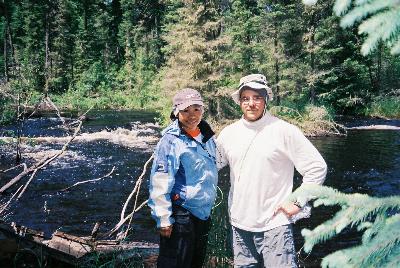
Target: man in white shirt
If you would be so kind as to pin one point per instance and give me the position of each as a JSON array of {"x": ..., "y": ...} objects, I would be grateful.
[{"x": 262, "y": 152}]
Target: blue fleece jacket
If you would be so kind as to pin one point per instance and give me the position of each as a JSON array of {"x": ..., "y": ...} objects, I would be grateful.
[{"x": 184, "y": 172}]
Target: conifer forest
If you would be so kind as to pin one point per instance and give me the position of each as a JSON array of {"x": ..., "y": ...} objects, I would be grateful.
[{"x": 129, "y": 54}]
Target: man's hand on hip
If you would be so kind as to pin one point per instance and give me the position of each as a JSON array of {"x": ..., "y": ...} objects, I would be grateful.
[{"x": 289, "y": 209}]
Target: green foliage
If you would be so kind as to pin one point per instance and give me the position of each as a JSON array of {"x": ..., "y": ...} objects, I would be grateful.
[
  {"x": 194, "y": 50},
  {"x": 219, "y": 252},
  {"x": 312, "y": 120},
  {"x": 123, "y": 54},
  {"x": 7, "y": 115},
  {"x": 113, "y": 259},
  {"x": 377, "y": 217},
  {"x": 385, "y": 106},
  {"x": 380, "y": 22},
  {"x": 97, "y": 78},
  {"x": 245, "y": 27}
]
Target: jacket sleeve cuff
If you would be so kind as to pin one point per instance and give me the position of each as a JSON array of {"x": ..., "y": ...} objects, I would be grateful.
[{"x": 165, "y": 222}]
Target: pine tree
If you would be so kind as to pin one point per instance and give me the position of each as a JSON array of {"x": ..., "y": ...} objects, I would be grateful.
[
  {"x": 378, "y": 218},
  {"x": 380, "y": 21},
  {"x": 343, "y": 82},
  {"x": 139, "y": 36},
  {"x": 30, "y": 46},
  {"x": 62, "y": 43},
  {"x": 244, "y": 28},
  {"x": 85, "y": 46},
  {"x": 281, "y": 37},
  {"x": 193, "y": 51}
]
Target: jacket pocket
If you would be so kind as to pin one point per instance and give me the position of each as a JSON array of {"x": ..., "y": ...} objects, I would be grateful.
[{"x": 183, "y": 222}]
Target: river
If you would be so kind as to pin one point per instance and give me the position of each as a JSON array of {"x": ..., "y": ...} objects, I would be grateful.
[{"x": 364, "y": 161}]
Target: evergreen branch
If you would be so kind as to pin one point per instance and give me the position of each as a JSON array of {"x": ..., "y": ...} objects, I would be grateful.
[
  {"x": 396, "y": 47},
  {"x": 376, "y": 253},
  {"x": 354, "y": 212},
  {"x": 360, "y": 12},
  {"x": 393, "y": 261},
  {"x": 384, "y": 22},
  {"x": 341, "y": 6}
]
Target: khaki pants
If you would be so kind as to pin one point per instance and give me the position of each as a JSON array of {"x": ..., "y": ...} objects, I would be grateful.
[{"x": 273, "y": 248}]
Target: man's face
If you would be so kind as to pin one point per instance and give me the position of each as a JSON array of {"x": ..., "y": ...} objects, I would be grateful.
[{"x": 252, "y": 105}]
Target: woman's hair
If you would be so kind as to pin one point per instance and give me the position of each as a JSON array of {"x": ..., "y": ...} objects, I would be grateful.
[{"x": 172, "y": 116}]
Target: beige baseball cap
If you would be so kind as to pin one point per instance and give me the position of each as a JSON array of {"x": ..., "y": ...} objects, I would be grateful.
[{"x": 184, "y": 98}]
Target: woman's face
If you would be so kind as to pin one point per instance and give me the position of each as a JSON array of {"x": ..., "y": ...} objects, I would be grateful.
[{"x": 191, "y": 117}]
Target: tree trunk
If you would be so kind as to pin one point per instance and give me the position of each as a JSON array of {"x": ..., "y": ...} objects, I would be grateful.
[
  {"x": 5, "y": 52},
  {"x": 19, "y": 131},
  {"x": 379, "y": 67},
  {"x": 312, "y": 58},
  {"x": 47, "y": 56},
  {"x": 277, "y": 93}
]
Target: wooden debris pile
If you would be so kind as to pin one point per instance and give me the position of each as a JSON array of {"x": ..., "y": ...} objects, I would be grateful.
[{"x": 71, "y": 249}]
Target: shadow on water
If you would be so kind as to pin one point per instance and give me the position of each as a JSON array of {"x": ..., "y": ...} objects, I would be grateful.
[{"x": 365, "y": 161}]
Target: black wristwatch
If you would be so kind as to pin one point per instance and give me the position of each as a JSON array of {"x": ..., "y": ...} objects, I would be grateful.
[{"x": 297, "y": 204}]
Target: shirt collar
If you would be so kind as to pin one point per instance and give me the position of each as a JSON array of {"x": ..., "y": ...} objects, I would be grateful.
[{"x": 256, "y": 124}]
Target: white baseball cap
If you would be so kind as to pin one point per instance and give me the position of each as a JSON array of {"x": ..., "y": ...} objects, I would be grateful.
[{"x": 257, "y": 82}]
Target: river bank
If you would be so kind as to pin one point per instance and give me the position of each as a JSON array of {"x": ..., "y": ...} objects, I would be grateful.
[{"x": 364, "y": 161}]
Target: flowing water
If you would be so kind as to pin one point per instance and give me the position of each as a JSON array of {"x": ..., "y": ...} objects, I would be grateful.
[{"x": 364, "y": 161}]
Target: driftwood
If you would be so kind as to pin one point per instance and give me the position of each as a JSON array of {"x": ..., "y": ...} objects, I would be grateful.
[
  {"x": 376, "y": 127},
  {"x": 34, "y": 168},
  {"x": 23, "y": 164},
  {"x": 82, "y": 182},
  {"x": 4, "y": 206},
  {"x": 124, "y": 218},
  {"x": 73, "y": 249}
]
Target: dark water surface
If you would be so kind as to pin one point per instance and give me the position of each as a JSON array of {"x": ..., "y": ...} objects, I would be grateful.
[{"x": 364, "y": 161}]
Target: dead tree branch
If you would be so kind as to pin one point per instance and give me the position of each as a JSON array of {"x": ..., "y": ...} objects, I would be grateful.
[
  {"x": 23, "y": 164},
  {"x": 82, "y": 182},
  {"x": 49, "y": 101},
  {"x": 136, "y": 189},
  {"x": 40, "y": 164},
  {"x": 81, "y": 117},
  {"x": 121, "y": 222},
  {"x": 4, "y": 206}
]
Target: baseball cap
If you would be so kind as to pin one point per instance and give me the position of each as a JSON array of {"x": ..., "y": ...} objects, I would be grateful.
[
  {"x": 257, "y": 82},
  {"x": 184, "y": 98}
]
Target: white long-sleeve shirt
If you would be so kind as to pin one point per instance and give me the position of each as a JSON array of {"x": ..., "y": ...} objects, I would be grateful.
[{"x": 262, "y": 156}]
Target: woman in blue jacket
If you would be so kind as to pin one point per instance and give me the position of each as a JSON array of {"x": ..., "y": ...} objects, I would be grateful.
[{"x": 183, "y": 183}]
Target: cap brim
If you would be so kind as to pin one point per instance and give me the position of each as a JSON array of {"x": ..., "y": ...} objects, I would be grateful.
[
  {"x": 236, "y": 95},
  {"x": 253, "y": 85},
  {"x": 183, "y": 106}
]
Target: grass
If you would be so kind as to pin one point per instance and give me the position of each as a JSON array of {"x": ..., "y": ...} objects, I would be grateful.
[
  {"x": 312, "y": 120},
  {"x": 384, "y": 107}
]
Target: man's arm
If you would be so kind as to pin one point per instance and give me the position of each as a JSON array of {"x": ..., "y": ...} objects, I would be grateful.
[
  {"x": 308, "y": 162},
  {"x": 306, "y": 158}
]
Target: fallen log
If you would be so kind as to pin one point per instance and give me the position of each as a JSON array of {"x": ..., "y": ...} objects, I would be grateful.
[
  {"x": 75, "y": 250},
  {"x": 376, "y": 127}
]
